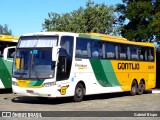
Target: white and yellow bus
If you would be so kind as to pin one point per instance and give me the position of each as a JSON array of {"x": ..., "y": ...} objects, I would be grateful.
[
  {"x": 7, "y": 44},
  {"x": 60, "y": 64}
]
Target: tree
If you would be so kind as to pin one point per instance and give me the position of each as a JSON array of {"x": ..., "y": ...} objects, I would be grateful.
[
  {"x": 97, "y": 18},
  {"x": 4, "y": 30},
  {"x": 143, "y": 19}
]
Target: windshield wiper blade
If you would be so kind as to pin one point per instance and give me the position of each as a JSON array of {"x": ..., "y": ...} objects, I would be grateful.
[{"x": 21, "y": 73}]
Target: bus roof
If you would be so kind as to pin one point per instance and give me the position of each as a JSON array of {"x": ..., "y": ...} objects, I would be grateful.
[
  {"x": 9, "y": 38},
  {"x": 98, "y": 36},
  {"x": 51, "y": 33},
  {"x": 113, "y": 39}
]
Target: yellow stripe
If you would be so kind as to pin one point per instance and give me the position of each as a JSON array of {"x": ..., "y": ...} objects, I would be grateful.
[
  {"x": 25, "y": 84},
  {"x": 9, "y": 38},
  {"x": 119, "y": 39}
]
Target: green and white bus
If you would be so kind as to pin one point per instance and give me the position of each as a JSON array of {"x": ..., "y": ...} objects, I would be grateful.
[
  {"x": 6, "y": 42},
  {"x": 60, "y": 64}
]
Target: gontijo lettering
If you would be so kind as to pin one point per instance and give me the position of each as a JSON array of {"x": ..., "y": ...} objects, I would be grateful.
[{"x": 128, "y": 66}]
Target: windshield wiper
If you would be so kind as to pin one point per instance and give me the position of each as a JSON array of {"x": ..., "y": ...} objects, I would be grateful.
[{"x": 20, "y": 73}]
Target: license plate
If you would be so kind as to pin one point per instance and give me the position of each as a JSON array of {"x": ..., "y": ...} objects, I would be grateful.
[{"x": 29, "y": 91}]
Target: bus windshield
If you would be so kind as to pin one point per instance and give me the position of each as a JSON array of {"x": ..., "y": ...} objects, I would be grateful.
[
  {"x": 33, "y": 63},
  {"x": 33, "y": 59}
]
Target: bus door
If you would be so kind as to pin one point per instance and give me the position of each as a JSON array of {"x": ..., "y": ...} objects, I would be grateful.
[{"x": 65, "y": 58}]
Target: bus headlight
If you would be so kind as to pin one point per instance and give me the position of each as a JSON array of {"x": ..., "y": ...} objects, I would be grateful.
[
  {"x": 14, "y": 83},
  {"x": 48, "y": 84}
]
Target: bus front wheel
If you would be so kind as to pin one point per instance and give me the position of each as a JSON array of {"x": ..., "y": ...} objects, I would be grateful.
[
  {"x": 133, "y": 88},
  {"x": 79, "y": 93}
]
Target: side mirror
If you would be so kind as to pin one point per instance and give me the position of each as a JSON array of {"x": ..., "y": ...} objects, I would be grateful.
[
  {"x": 6, "y": 52},
  {"x": 55, "y": 51}
]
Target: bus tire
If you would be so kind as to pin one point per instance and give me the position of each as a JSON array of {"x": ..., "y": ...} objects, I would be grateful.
[
  {"x": 141, "y": 88},
  {"x": 133, "y": 88},
  {"x": 79, "y": 93}
]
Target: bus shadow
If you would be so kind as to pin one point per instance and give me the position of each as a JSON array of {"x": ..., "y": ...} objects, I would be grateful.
[
  {"x": 105, "y": 96},
  {"x": 4, "y": 91},
  {"x": 34, "y": 100},
  {"x": 111, "y": 95},
  {"x": 56, "y": 101}
]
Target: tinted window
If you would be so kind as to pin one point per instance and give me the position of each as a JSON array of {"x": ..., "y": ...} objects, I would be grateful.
[
  {"x": 150, "y": 54},
  {"x": 83, "y": 48},
  {"x": 110, "y": 50},
  {"x": 143, "y": 53},
  {"x": 67, "y": 44},
  {"x": 97, "y": 49},
  {"x": 134, "y": 52},
  {"x": 123, "y": 51},
  {"x": 91, "y": 48}
]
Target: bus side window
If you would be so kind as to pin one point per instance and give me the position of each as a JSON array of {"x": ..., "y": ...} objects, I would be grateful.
[
  {"x": 97, "y": 49},
  {"x": 123, "y": 51},
  {"x": 11, "y": 53},
  {"x": 83, "y": 48},
  {"x": 134, "y": 52},
  {"x": 142, "y": 54},
  {"x": 67, "y": 44},
  {"x": 128, "y": 53},
  {"x": 78, "y": 53},
  {"x": 150, "y": 54},
  {"x": 117, "y": 52},
  {"x": 109, "y": 50}
]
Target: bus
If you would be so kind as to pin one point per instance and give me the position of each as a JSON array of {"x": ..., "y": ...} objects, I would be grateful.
[
  {"x": 7, "y": 44},
  {"x": 62, "y": 64}
]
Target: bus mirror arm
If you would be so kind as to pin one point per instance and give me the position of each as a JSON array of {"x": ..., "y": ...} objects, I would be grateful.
[
  {"x": 55, "y": 52},
  {"x": 6, "y": 51}
]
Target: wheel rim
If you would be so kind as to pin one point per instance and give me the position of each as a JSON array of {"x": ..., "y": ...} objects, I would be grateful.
[
  {"x": 134, "y": 87},
  {"x": 141, "y": 87},
  {"x": 78, "y": 92}
]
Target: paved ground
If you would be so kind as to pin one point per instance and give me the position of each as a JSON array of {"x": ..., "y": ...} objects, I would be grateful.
[{"x": 148, "y": 102}]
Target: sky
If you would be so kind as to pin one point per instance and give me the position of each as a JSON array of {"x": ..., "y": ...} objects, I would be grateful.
[{"x": 27, "y": 16}]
